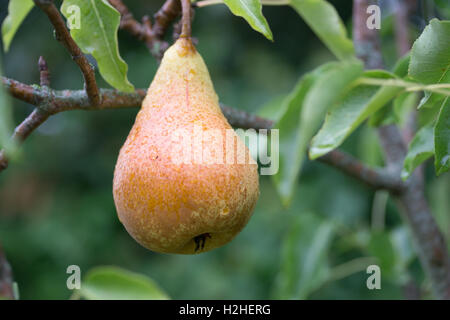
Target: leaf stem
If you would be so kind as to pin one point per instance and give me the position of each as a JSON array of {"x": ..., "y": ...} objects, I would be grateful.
[{"x": 409, "y": 86}]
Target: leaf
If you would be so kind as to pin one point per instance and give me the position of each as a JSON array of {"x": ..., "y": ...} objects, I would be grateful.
[
  {"x": 442, "y": 138},
  {"x": 430, "y": 58},
  {"x": 251, "y": 11},
  {"x": 369, "y": 148},
  {"x": 430, "y": 99},
  {"x": 112, "y": 283},
  {"x": 385, "y": 116},
  {"x": 305, "y": 110},
  {"x": 420, "y": 149},
  {"x": 6, "y": 120},
  {"x": 290, "y": 140},
  {"x": 324, "y": 20},
  {"x": 353, "y": 109},
  {"x": 17, "y": 11},
  {"x": 443, "y": 8},
  {"x": 402, "y": 105},
  {"x": 304, "y": 262},
  {"x": 97, "y": 35},
  {"x": 430, "y": 54},
  {"x": 401, "y": 67},
  {"x": 381, "y": 247},
  {"x": 439, "y": 190}
]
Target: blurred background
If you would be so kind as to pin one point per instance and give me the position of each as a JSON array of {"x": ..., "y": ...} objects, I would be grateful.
[{"x": 57, "y": 209}]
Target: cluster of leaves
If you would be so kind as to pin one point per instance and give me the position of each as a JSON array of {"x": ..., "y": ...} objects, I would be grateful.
[{"x": 332, "y": 101}]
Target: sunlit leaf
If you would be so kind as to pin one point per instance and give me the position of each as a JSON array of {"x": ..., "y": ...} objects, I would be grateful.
[
  {"x": 111, "y": 283},
  {"x": 303, "y": 113},
  {"x": 17, "y": 11},
  {"x": 430, "y": 58},
  {"x": 343, "y": 119},
  {"x": 387, "y": 115},
  {"x": 420, "y": 149},
  {"x": 324, "y": 20},
  {"x": 251, "y": 11},
  {"x": 96, "y": 34}
]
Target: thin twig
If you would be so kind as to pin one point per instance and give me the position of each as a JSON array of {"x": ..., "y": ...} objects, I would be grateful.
[
  {"x": 152, "y": 36},
  {"x": 44, "y": 73},
  {"x": 63, "y": 35}
]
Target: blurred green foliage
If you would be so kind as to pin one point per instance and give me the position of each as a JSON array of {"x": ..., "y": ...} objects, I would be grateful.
[{"x": 56, "y": 205}]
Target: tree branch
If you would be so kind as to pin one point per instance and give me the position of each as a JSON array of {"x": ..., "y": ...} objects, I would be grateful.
[
  {"x": 430, "y": 242},
  {"x": 63, "y": 35},
  {"x": 44, "y": 74},
  {"x": 151, "y": 36},
  {"x": 52, "y": 101}
]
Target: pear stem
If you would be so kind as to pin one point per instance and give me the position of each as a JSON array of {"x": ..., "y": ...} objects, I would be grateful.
[{"x": 186, "y": 19}]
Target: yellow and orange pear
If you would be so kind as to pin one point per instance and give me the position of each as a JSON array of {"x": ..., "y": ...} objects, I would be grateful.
[{"x": 168, "y": 193}]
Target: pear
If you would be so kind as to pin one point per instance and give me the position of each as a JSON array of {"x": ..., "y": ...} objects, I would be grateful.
[{"x": 169, "y": 195}]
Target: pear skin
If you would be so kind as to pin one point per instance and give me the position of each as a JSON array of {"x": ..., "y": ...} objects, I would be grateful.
[{"x": 194, "y": 205}]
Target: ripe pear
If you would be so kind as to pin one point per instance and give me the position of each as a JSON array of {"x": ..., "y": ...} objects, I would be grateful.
[{"x": 186, "y": 207}]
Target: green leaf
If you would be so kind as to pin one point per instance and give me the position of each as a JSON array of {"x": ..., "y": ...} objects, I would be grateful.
[
  {"x": 430, "y": 54},
  {"x": 420, "y": 149},
  {"x": 442, "y": 138},
  {"x": 97, "y": 35},
  {"x": 402, "y": 105},
  {"x": 443, "y": 8},
  {"x": 401, "y": 67},
  {"x": 430, "y": 58},
  {"x": 17, "y": 11},
  {"x": 324, "y": 20},
  {"x": 355, "y": 107},
  {"x": 251, "y": 11},
  {"x": 385, "y": 116},
  {"x": 304, "y": 112},
  {"x": 438, "y": 191},
  {"x": 6, "y": 120},
  {"x": 369, "y": 148},
  {"x": 430, "y": 99},
  {"x": 342, "y": 120},
  {"x": 112, "y": 283},
  {"x": 304, "y": 259},
  {"x": 381, "y": 247}
]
